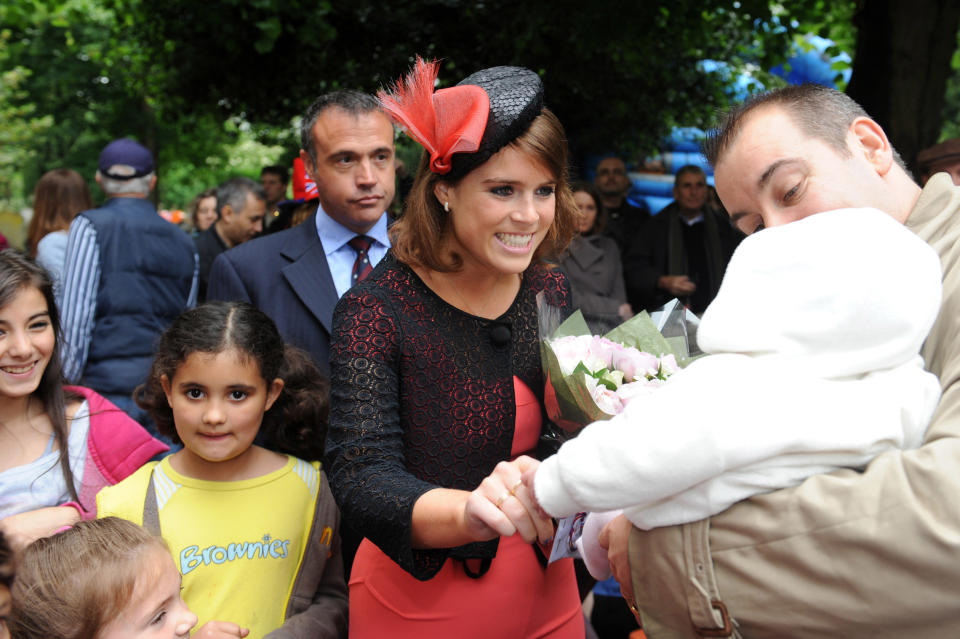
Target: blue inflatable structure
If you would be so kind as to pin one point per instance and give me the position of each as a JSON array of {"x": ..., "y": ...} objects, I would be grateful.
[{"x": 810, "y": 62}]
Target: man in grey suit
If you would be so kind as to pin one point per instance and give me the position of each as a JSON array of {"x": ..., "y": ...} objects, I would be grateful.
[{"x": 296, "y": 276}]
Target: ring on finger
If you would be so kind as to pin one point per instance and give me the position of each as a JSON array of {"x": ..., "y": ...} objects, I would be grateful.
[
  {"x": 513, "y": 490},
  {"x": 506, "y": 495}
]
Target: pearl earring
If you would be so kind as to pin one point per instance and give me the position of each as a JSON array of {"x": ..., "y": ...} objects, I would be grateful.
[{"x": 446, "y": 207}]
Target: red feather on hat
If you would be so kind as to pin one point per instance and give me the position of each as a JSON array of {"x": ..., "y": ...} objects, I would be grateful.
[{"x": 446, "y": 122}]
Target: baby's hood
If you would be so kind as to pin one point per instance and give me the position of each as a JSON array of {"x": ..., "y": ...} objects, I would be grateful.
[{"x": 845, "y": 292}]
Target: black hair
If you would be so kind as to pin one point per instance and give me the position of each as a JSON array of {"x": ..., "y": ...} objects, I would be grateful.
[
  {"x": 277, "y": 169},
  {"x": 297, "y": 421},
  {"x": 6, "y": 562},
  {"x": 688, "y": 168},
  {"x": 353, "y": 102},
  {"x": 17, "y": 272}
]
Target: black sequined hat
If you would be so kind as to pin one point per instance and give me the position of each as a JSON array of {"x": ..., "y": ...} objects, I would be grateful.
[
  {"x": 462, "y": 126},
  {"x": 516, "y": 98}
]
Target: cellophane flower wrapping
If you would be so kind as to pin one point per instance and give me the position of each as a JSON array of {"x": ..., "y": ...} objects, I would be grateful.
[
  {"x": 595, "y": 377},
  {"x": 592, "y": 377}
]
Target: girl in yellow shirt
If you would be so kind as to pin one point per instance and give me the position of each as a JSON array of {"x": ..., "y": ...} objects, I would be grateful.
[{"x": 253, "y": 532}]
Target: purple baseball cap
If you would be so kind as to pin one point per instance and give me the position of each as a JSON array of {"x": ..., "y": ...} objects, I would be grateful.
[{"x": 125, "y": 159}]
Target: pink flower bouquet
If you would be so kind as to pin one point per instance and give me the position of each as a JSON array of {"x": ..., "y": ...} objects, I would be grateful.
[
  {"x": 590, "y": 378},
  {"x": 612, "y": 373}
]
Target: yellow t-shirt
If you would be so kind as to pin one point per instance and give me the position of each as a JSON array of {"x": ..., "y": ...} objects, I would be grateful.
[{"x": 238, "y": 544}]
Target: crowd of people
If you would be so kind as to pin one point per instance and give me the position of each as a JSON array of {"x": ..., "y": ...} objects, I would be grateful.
[{"x": 307, "y": 418}]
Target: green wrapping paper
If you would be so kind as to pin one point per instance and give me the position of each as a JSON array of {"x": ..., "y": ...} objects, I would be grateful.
[{"x": 574, "y": 401}]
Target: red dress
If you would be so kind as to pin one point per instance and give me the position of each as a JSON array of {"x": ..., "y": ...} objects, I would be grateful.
[{"x": 515, "y": 599}]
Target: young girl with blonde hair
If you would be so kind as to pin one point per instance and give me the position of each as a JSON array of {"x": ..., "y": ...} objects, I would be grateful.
[{"x": 101, "y": 579}]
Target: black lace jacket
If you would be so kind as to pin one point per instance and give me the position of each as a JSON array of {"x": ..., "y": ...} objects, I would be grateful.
[{"x": 422, "y": 397}]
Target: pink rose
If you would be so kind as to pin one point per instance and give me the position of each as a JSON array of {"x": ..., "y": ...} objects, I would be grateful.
[
  {"x": 668, "y": 365},
  {"x": 606, "y": 400},
  {"x": 571, "y": 350},
  {"x": 602, "y": 352},
  {"x": 635, "y": 364}
]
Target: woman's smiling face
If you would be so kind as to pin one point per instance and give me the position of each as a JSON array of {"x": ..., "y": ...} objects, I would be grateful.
[
  {"x": 500, "y": 212},
  {"x": 26, "y": 342}
]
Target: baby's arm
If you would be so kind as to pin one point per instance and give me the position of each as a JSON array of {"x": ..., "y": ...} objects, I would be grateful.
[{"x": 730, "y": 413}]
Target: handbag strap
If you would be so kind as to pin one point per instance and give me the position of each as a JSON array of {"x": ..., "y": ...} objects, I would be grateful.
[{"x": 151, "y": 516}]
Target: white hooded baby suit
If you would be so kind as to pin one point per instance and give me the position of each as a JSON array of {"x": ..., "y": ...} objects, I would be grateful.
[{"x": 813, "y": 365}]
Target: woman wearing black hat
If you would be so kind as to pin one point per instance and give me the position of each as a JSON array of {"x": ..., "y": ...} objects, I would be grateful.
[{"x": 436, "y": 380}]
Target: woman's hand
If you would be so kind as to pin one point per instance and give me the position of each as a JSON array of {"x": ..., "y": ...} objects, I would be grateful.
[
  {"x": 625, "y": 311},
  {"x": 25, "y": 528},
  {"x": 678, "y": 285},
  {"x": 529, "y": 478},
  {"x": 504, "y": 505},
  {"x": 499, "y": 507}
]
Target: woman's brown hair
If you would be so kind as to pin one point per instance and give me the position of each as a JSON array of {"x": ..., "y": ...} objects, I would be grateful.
[
  {"x": 600, "y": 223},
  {"x": 19, "y": 272},
  {"x": 71, "y": 585},
  {"x": 195, "y": 204},
  {"x": 59, "y": 195},
  {"x": 418, "y": 236}
]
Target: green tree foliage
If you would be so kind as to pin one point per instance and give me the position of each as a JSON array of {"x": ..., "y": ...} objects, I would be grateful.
[
  {"x": 832, "y": 20},
  {"x": 951, "y": 108},
  {"x": 79, "y": 73},
  {"x": 619, "y": 73},
  {"x": 79, "y": 77},
  {"x": 214, "y": 88},
  {"x": 19, "y": 125}
]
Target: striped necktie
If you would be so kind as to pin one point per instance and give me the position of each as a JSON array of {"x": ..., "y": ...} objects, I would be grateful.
[{"x": 361, "y": 266}]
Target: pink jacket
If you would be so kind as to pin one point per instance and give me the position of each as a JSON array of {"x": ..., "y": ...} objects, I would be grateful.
[{"x": 116, "y": 447}]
